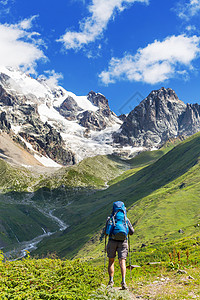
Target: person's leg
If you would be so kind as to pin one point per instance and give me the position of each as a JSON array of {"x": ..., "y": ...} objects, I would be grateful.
[
  {"x": 111, "y": 252},
  {"x": 122, "y": 255},
  {"x": 111, "y": 268},
  {"x": 122, "y": 263}
]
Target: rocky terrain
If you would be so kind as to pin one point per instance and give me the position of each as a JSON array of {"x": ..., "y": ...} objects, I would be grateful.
[
  {"x": 59, "y": 128},
  {"x": 98, "y": 118},
  {"x": 54, "y": 124},
  {"x": 157, "y": 118}
]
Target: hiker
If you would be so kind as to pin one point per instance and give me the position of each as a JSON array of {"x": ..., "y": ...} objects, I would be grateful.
[{"x": 118, "y": 227}]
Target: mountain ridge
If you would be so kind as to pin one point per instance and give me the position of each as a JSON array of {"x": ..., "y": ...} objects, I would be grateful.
[
  {"x": 59, "y": 128},
  {"x": 43, "y": 116}
]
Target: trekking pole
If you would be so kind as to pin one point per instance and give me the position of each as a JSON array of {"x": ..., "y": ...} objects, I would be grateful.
[
  {"x": 105, "y": 255},
  {"x": 129, "y": 250}
]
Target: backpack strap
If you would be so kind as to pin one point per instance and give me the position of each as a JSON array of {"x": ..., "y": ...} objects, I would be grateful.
[
  {"x": 125, "y": 221},
  {"x": 114, "y": 216}
]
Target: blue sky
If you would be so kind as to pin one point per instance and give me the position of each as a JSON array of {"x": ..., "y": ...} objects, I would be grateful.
[{"x": 123, "y": 49}]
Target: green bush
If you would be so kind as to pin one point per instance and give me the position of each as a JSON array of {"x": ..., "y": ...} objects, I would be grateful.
[{"x": 48, "y": 279}]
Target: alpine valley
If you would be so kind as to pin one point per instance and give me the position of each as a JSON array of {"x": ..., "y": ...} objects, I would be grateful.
[{"x": 65, "y": 158}]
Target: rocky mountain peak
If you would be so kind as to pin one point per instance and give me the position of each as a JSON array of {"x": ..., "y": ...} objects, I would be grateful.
[
  {"x": 163, "y": 94},
  {"x": 55, "y": 125},
  {"x": 4, "y": 78},
  {"x": 98, "y": 99},
  {"x": 159, "y": 105},
  {"x": 153, "y": 121},
  {"x": 69, "y": 108}
]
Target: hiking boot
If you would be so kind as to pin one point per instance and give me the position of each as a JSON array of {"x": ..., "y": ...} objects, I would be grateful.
[
  {"x": 124, "y": 286},
  {"x": 110, "y": 283}
]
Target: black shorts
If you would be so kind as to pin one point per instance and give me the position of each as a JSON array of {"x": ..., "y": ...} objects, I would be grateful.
[{"x": 120, "y": 247}]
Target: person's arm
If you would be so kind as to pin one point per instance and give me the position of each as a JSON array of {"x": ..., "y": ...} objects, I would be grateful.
[
  {"x": 130, "y": 227},
  {"x": 104, "y": 230}
]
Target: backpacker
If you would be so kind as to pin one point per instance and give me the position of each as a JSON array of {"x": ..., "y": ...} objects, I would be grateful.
[{"x": 117, "y": 226}]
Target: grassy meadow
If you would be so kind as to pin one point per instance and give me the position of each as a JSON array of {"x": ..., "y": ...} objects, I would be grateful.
[{"x": 161, "y": 191}]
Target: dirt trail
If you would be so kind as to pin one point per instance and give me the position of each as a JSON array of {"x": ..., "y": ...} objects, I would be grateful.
[{"x": 127, "y": 294}]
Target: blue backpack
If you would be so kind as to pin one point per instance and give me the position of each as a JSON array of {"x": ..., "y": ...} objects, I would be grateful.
[{"x": 117, "y": 226}]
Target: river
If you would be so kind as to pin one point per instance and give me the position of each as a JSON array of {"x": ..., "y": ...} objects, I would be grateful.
[{"x": 23, "y": 248}]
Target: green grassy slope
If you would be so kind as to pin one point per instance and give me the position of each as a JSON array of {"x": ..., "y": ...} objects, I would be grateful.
[
  {"x": 155, "y": 192},
  {"x": 14, "y": 178},
  {"x": 149, "y": 157},
  {"x": 22, "y": 223},
  {"x": 68, "y": 185},
  {"x": 19, "y": 222},
  {"x": 77, "y": 185},
  {"x": 144, "y": 159},
  {"x": 92, "y": 172},
  {"x": 51, "y": 278}
]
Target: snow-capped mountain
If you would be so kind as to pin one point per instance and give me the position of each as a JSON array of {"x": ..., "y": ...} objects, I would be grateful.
[
  {"x": 53, "y": 122},
  {"x": 59, "y": 128}
]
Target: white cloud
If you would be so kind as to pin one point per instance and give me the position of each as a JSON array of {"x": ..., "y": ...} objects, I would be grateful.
[
  {"x": 4, "y": 2},
  {"x": 27, "y": 23},
  {"x": 188, "y": 9},
  {"x": 5, "y": 7},
  {"x": 155, "y": 63},
  {"x": 191, "y": 28},
  {"x": 51, "y": 78},
  {"x": 92, "y": 27},
  {"x": 19, "y": 46}
]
